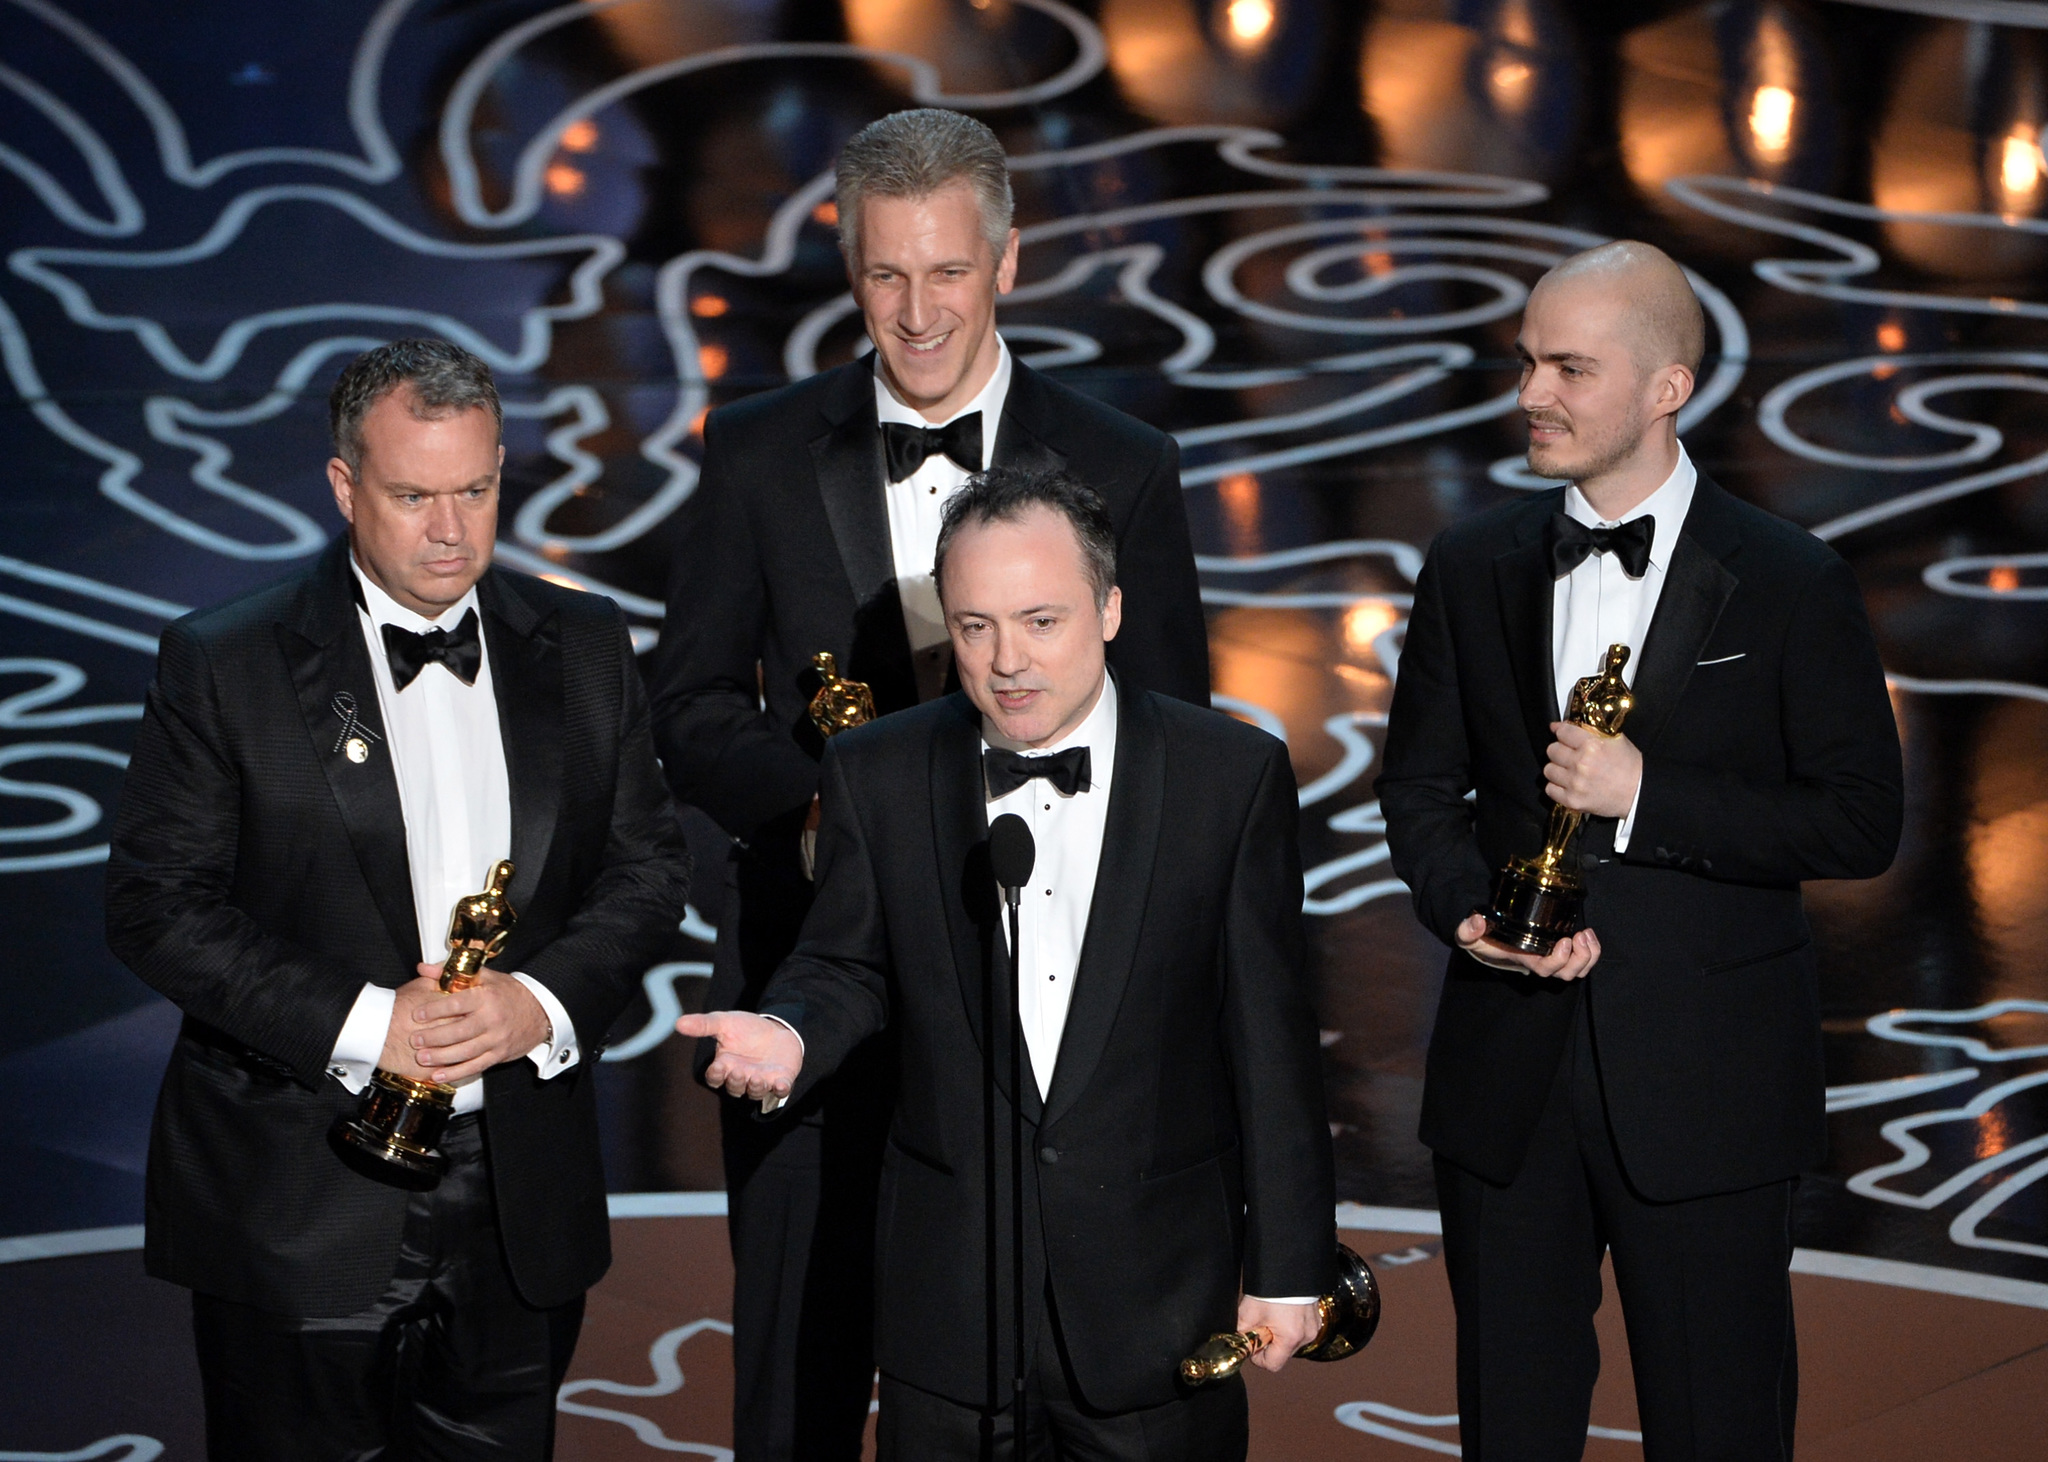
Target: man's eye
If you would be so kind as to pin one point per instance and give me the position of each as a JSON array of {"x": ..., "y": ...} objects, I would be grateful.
[
  {"x": 1043, "y": 623},
  {"x": 411, "y": 499}
]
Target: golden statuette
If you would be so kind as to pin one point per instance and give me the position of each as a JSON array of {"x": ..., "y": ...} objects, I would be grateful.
[
  {"x": 399, "y": 1121},
  {"x": 1349, "y": 1314},
  {"x": 840, "y": 704},
  {"x": 1538, "y": 901}
]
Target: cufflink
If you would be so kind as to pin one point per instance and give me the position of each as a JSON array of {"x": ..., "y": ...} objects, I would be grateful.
[
  {"x": 563, "y": 1057},
  {"x": 337, "y": 1071}
]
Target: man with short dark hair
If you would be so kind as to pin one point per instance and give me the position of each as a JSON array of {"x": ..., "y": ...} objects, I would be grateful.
[
  {"x": 1177, "y": 1174},
  {"x": 813, "y": 528},
  {"x": 1650, "y": 1087},
  {"x": 323, "y": 768}
]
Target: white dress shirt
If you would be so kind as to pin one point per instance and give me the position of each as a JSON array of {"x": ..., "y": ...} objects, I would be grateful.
[
  {"x": 1597, "y": 604},
  {"x": 916, "y": 506},
  {"x": 449, "y": 762},
  {"x": 1067, "y": 833}
]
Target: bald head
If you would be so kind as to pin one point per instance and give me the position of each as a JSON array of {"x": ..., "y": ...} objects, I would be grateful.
[{"x": 1659, "y": 315}]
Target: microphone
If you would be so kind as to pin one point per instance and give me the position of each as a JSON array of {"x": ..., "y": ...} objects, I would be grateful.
[{"x": 1011, "y": 852}]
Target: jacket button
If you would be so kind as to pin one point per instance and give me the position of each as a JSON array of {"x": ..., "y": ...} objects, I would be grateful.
[{"x": 1048, "y": 1154}]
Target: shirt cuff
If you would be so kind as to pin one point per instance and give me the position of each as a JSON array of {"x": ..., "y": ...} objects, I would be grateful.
[
  {"x": 552, "y": 1057},
  {"x": 360, "y": 1045},
  {"x": 1628, "y": 823},
  {"x": 1294, "y": 1299},
  {"x": 773, "y": 1104}
]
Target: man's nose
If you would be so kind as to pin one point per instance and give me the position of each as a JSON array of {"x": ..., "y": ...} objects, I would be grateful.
[
  {"x": 1535, "y": 393},
  {"x": 1013, "y": 655},
  {"x": 444, "y": 521},
  {"x": 919, "y": 310}
]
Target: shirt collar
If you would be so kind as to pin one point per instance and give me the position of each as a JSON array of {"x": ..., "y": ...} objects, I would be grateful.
[
  {"x": 1097, "y": 729},
  {"x": 383, "y": 609},
  {"x": 988, "y": 401},
  {"x": 1668, "y": 505}
]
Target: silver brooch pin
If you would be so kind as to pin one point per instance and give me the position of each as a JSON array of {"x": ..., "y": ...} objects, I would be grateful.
[{"x": 355, "y": 737}]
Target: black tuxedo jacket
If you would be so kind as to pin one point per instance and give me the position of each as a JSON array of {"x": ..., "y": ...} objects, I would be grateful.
[
  {"x": 783, "y": 551},
  {"x": 1183, "y": 1143},
  {"x": 1769, "y": 756},
  {"x": 259, "y": 878}
]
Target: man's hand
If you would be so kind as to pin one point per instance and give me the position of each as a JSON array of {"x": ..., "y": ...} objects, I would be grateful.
[
  {"x": 462, "y": 1035},
  {"x": 1289, "y": 1328},
  {"x": 399, "y": 1057},
  {"x": 1568, "y": 959},
  {"x": 757, "y": 1057},
  {"x": 1588, "y": 772}
]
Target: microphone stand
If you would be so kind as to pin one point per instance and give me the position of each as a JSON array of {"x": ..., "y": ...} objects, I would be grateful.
[
  {"x": 1013, "y": 896},
  {"x": 990, "y": 1235}
]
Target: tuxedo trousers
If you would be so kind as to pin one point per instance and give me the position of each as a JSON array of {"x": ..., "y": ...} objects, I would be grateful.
[
  {"x": 1211, "y": 1424},
  {"x": 449, "y": 1364},
  {"x": 801, "y": 1193},
  {"x": 1704, "y": 1285}
]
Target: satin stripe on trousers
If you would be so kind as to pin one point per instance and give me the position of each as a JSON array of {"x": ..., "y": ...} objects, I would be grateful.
[
  {"x": 450, "y": 1365},
  {"x": 1704, "y": 1286}
]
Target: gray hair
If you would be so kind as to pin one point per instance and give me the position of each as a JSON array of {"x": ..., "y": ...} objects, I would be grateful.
[
  {"x": 914, "y": 154},
  {"x": 445, "y": 380},
  {"x": 1005, "y": 494}
]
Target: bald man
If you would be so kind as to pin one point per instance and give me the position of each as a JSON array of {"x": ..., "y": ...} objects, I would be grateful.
[{"x": 1652, "y": 1086}]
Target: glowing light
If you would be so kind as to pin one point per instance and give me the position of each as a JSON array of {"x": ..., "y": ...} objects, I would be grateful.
[
  {"x": 697, "y": 421},
  {"x": 1365, "y": 622},
  {"x": 1377, "y": 264},
  {"x": 827, "y": 213},
  {"x": 709, "y": 306},
  {"x": 2004, "y": 578},
  {"x": 579, "y": 136},
  {"x": 564, "y": 581},
  {"x": 1770, "y": 121},
  {"x": 712, "y": 360},
  {"x": 1248, "y": 22},
  {"x": 1238, "y": 495},
  {"x": 564, "y": 181},
  {"x": 1891, "y": 336},
  {"x": 2020, "y": 163},
  {"x": 1510, "y": 84}
]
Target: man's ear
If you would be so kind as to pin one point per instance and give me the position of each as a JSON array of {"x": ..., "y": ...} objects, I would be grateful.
[
  {"x": 1006, "y": 266},
  {"x": 1674, "y": 389},
  {"x": 344, "y": 484},
  {"x": 1112, "y": 613}
]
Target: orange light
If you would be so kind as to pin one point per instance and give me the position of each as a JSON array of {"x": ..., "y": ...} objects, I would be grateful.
[
  {"x": 712, "y": 360},
  {"x": 1377, "y": 264},
  {"x": 1891, "y": 335},
  {"x": 564, "y": 580},
  {"x": 2020, "y": 163},
  {"x": 697, "y": 421},
  {"x": 1770, "y": 121},
  {"x": 579, "y": 136},
  {"x": 1238, "y": 495},
  {"x": 1248, "y": 22},
  {"x": 709, "y": 306},
  {"x": 1509, "y": 82},
  {"x": 1365, "y": 622},
  {"x": 827, "y": 213},
  {"x": 564, "y": 180},
  {"x": 2003, "y": 578}
]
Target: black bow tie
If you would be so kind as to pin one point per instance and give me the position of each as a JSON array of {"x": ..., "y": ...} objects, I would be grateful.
[
  {"x": 460, "y": 649},
  {"x": 1572, "y": 541},
  {"x": 1008, "y": 770},
  {"x": 907, "y": 446}
]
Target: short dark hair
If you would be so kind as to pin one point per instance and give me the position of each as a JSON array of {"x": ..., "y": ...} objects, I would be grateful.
[
  {"x": 1005, "y": 494},
  {"x": 445, "y": 380}
]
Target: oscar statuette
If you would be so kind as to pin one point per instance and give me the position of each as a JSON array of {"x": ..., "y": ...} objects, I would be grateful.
[
  {"x": 839, "y": 705},
  {"x": 1348, "y": 1315},
  {"x": 399, "y": 1121},
  {"x": 1538, "y": 901}
]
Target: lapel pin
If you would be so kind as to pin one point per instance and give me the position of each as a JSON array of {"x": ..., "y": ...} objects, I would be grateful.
[{"x": 355, "y": 737}]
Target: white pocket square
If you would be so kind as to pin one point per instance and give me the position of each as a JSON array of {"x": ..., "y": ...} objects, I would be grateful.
[{"x": 1723, "y": 660}]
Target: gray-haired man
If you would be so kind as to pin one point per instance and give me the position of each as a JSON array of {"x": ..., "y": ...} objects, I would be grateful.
[{"x": 813, "y": 528}]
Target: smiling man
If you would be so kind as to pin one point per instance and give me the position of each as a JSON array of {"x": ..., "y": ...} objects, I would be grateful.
[
  {"x": 1179, "y": 1179},
  {"x": 813, "y": 528},
  {"x": 1652, "y": 1086},
  {"x": 323, "y": 768}
]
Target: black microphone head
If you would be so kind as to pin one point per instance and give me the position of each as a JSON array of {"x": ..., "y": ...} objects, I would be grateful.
[{"x": 1011, "y": 851}]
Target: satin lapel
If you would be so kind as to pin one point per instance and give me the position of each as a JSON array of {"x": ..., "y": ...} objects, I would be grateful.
[
  {"x": 323, "y": 644},
  {"x": 526, "y": 681},
  {"x": 1020, "y": 438},
  {"x": 848, "y": 460},
  {"x": 1696, "y": 588},
  {"x": 1526, "y": 588},
  {"x": 1116, "y": 916},
  {"x": 960, "y": 835}
]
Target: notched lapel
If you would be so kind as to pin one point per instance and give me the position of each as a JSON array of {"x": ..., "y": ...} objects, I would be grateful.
[
  {"x": 1527, "y": 598},
  {"x": 1021, "y": 435},
  {"x": 966, "y": 883},
  {"x": 526, "y": 681},
  {"x": 848, "y": 460},
  {"x": 1116, "y": 916},
  {"x": 324, "y": 648},
  {"x": 1696, "y": 588}
]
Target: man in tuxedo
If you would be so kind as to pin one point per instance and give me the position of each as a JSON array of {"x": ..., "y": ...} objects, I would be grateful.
[
  {"x": 1652, "y": 1086},
  {"x": 1177, "y": 1152},
  {"x": 323, "y": 768},
  {"x": 813, "y": 529}
]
